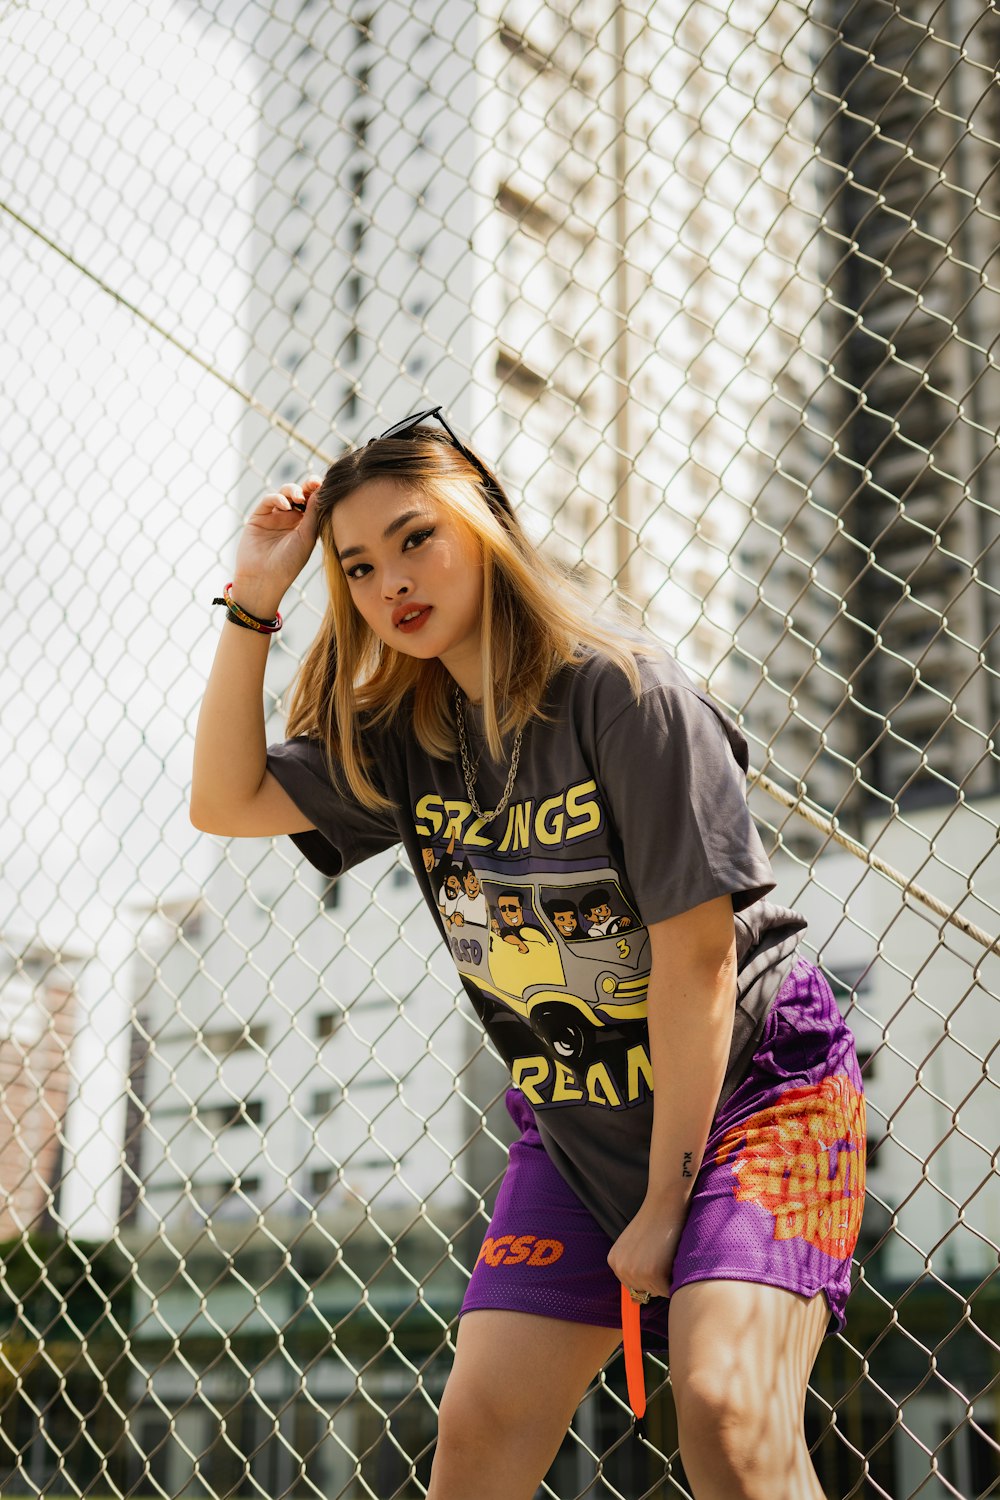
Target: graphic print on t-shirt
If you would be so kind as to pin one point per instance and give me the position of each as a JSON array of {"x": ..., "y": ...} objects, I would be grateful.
[{"x": 556, "y": 952}]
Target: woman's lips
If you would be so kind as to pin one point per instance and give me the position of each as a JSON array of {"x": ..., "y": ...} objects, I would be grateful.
[{"x": 415, "y": 624}]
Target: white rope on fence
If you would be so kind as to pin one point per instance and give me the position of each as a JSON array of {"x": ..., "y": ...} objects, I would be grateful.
[{"x": 907, "y": 885}]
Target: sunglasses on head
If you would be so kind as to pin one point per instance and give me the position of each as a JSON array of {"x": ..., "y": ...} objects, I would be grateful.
[{"x": 399, "y": 428}]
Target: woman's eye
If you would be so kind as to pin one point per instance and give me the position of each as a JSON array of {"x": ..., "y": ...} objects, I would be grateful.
[{"x": 417, "y": 537}]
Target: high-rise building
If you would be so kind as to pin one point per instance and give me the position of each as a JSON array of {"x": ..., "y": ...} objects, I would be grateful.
[{"x": 879, "y": 536}]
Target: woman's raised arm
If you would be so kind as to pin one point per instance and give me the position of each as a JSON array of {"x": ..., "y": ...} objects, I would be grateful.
[{"x": 232, "y": 793}]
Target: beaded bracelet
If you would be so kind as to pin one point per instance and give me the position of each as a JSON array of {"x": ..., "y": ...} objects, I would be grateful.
[{"x": 243, "y": 617}]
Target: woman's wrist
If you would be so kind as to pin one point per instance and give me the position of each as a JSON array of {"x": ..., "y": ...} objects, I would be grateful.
[
  {"x": 255, "y": 597},
  {"x": 669, "y": 1202}
]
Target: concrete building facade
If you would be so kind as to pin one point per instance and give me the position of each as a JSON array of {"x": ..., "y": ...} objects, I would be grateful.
[{"x": 37, "y": 1020}]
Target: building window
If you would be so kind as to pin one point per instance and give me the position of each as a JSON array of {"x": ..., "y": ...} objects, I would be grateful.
[
  {"x": 321, "y": 1180},
  {"x": 519, "y": 46},
  {"x": 526, "y": 211},
  {"x": 229, "y": 1203},
  {"x": 373, "y": 1000},
  {"x": 327, "y": 1022},
  {"x": 326, "y": 1099},
  {"x": 219, "y": 1116},
  {"x": 376, "y": 1081},
  {"x": 154, "y": 1440},
  {"x": 866, "y": 1064},
  {"x": 235, "y": 1039},
  {"x": 848, "y": 979},
  {"x": 331, "y": 893},
  {"x": 512, "y": 370}
]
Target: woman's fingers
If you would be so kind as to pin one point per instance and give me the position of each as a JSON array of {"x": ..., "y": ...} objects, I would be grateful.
[
  {"x": 296, "y": 494},
  {"x": 292, "y": 496}
]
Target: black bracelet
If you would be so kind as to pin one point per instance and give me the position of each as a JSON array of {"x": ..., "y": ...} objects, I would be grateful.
[
  {"x": 235, "y": 618},
  {"x": 241, "y": 616}
]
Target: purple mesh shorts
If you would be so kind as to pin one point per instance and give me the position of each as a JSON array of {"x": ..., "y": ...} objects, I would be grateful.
[{"x": 778, "y": 1199}]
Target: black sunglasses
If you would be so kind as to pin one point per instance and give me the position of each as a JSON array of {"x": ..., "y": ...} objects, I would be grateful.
[{"x": 398, "y": 428}]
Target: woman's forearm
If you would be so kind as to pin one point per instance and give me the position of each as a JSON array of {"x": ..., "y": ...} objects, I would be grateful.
[
  {"x": 230, "y": 750},
  {"x": 690, "y": 1012}
]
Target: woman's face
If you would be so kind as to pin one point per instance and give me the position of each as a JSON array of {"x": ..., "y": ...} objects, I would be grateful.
[{"x": 425, "y": 560}]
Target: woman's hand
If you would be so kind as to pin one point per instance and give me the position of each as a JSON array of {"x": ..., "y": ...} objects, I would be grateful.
[
  {"x": 643, "y": 1254},
  {"x": 277, "y": 541}
]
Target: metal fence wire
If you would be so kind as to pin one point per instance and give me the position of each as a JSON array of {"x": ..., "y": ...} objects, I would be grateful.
[{"x": 718, "y": 290}]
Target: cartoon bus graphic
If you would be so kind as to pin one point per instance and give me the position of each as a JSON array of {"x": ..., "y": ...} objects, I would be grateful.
[{"x": 566, "y": 953}]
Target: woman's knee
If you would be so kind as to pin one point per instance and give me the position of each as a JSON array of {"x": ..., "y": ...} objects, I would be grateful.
[
  {"x": 739, "y": 1389},
  {"x": 496, "y": 1406},
  {"x": 494, "y": 1440},
  {"x": 711, "y": 1410},
  {"x": 471, "y": 1406}
]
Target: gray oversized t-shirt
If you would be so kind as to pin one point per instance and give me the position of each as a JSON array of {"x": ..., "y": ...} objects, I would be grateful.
[{"x": 621, "y": 814}]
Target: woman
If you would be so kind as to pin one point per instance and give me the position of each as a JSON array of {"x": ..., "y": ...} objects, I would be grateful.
[{"x": 575, "y": 811}]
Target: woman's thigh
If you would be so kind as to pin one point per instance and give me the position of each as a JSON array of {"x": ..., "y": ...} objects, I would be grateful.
[
  {"x": 516, "y": 1381},
  {"x": 740, "y": 1358}
]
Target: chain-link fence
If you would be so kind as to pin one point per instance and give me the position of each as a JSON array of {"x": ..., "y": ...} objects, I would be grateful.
[{"x": 717, "y": 290}]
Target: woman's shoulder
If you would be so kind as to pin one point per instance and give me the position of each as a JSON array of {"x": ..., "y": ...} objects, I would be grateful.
[
  {"x": 598, "y": 676},
  {"x": 598, "y": 695}
]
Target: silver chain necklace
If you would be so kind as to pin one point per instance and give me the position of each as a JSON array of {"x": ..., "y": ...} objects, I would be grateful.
[{"x": 469, "y": 772}]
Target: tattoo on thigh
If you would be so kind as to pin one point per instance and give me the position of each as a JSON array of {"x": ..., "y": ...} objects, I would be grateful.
[{"x": 686, "y": 1170}]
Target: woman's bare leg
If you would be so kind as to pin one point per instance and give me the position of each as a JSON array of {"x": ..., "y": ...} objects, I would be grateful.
[
  {"x": 740, "y": 1358},
  {"x": 515, "y": 1384}
]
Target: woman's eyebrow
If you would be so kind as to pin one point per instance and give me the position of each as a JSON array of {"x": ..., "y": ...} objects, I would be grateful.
[{"x": 390, "y": 530}]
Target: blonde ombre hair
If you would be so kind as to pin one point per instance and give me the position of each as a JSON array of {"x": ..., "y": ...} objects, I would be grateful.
[{"x": 535, "y": 619}]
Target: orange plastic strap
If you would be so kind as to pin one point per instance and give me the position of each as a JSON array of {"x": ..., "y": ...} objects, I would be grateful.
[{"x": 632, "y": 1343}]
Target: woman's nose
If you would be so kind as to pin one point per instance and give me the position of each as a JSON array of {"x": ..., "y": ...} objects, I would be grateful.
[{"x": 396, "y": 584}]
